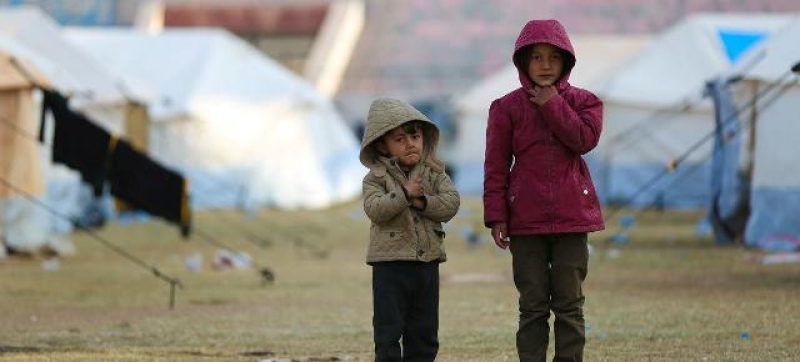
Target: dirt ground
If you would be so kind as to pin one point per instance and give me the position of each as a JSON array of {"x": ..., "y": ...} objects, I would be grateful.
[{"x": 667, "y": 295}]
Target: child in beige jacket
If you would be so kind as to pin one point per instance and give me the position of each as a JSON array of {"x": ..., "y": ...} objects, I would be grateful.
[{"x": 407, "y": 196}]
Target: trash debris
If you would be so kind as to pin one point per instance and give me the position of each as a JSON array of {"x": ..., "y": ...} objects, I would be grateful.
[
  {"x": 468, "y": 233},
  {"x": 194, "y": 262},
  {"x": 52, "y": 264},
  {"x": 745, "y": 336},
  {"x": 620, "y": 238},
  {"x": 780, "y": 258},
  {"x": 267, "y": 276},
  {"x": 627, "y": 221},
  {"x": 704, "y": 228},
  {"x": 225, "y": 259},
  {"x": 780, "y": 243}
]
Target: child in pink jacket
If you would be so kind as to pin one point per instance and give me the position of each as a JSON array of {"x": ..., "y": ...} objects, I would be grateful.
[{"x": 539, "y": 198}]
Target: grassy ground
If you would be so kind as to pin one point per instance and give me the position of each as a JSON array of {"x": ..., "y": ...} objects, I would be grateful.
[{"x": 666, "y": 296}]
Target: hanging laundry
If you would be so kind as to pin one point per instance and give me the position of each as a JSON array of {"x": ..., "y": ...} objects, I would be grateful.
[
  {"x": 144, "y": 184},
  {"x": 77, "y": 142}
]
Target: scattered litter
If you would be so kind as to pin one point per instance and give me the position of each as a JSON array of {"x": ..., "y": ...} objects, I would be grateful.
[
  {"x": 267, "y": 276},
  {"x": 473, "y": 238},
  {"x": 61, "y": 246},
  {"x": 745, "y": 336},
  {"x": 627, "y": 221},
  {"x": 194, "y": 262},
  {"x": 703, "y": 228},
  {"x": 132, "y": 217},
  {"x": 780, "y": 243},
  {"x": 781, "y": 258},
  {"x": 620, "y": 238},
  {"x": 225, "y": 259},
  {"x": 52, "y": 264}
]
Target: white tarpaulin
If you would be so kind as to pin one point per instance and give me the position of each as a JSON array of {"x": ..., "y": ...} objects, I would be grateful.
[{"x": 244, "y": 129}]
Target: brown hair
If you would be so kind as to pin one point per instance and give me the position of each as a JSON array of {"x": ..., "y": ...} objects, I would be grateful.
[
  {"x": 523, "y": 57},
  {"x": 411, "y": 126}
]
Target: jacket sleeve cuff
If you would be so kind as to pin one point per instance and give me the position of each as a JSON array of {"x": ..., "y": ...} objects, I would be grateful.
[{"x": 424, "y": 203}]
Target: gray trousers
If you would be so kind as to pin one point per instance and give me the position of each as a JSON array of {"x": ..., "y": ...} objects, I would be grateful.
[{"x": 548, "y": 273}]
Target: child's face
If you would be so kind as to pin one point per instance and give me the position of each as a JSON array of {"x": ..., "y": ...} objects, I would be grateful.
[
  {"x": 546, "y": 65},
  {"x": 405, "y": 143}
]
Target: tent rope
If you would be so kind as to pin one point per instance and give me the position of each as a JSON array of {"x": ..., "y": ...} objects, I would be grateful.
[
  {"x": 266, "y": 274},
  {"x": 105, "y": 242}
]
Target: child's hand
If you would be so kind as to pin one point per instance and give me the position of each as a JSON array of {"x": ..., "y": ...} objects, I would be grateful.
[
  {"x": 414, "y": 188},
  {"x": 500, "y": 235},
  {"x": 540, "y": 95}
]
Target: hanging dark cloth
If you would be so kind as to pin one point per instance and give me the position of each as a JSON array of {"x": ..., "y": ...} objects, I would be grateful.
[
  {"x": 77, "y": 142},
  {"x": 146, "y": 185}
]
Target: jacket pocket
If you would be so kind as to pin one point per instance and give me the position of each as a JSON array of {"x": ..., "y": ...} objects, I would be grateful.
[
  {"x": 439, "y": 233},
  {"x": 589, "y": 204},
  {"x": 389, "y": 242}
]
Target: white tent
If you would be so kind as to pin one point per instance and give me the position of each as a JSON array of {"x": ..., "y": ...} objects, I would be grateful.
[
  {"x": 245, "y": 130},
  {"x": 28, "y": 35},
  {"x": 768, "y": 160},
  {"x": 596, "y": 56},
  {"x": 655, "y": 110},
  {"x": 33, "y": 35}
]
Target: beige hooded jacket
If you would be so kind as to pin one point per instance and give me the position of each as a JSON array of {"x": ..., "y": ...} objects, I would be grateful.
[{"x": 398, "y": 231}]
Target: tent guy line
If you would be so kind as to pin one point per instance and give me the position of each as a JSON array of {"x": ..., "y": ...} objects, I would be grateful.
[
  {"x": 105, "y": 242},
  {"x": 265, "y": 273},
  {"x": 6, "y": 122}
]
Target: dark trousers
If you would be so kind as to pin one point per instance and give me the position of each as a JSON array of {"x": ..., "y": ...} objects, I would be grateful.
[
  {"x": 548, "y": 273},
  {"x": 405, "y": 305}
]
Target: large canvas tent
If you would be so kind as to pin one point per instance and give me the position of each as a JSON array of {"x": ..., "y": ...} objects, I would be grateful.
[
  {"x": 597, "y": 55},
  {"x": 31, "y": 37},
  {"x": 655, "y": 109},
  {"x": 244, "y": 130},
  {"x": 758, "y": 198},
  {"x": 38, "y": 38}
]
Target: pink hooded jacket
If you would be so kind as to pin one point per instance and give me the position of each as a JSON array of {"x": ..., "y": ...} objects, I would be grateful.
[{"x": 535, "y": 178}]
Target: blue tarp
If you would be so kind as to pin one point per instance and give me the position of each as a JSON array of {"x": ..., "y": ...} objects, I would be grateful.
[
  {"x": 729, "y": 185},
  {"x": 737, "y": 42}
]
